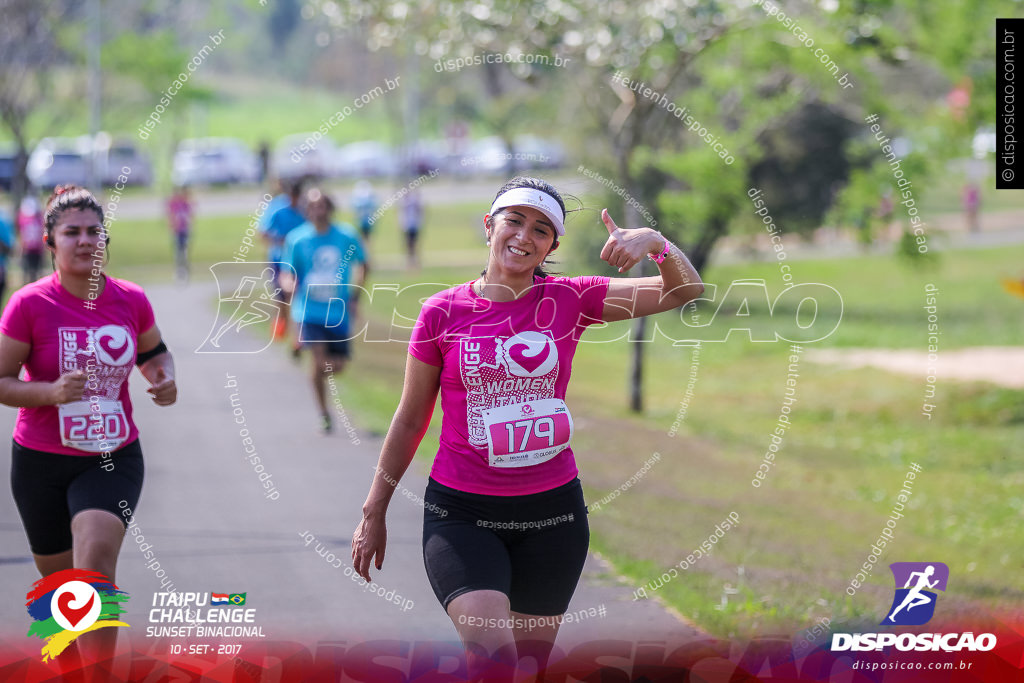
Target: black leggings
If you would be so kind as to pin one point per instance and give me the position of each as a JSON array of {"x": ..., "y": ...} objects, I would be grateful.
[
  {"x": 51, "y": 488},
  {"x": 531, "y": 548}
]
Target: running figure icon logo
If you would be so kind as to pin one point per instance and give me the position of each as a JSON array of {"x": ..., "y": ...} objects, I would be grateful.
[
  {"x": 248, "y": 301},
  {"x": 914, "y": 604}
]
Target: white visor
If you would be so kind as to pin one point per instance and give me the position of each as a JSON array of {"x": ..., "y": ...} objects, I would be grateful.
[{"x": 525, "y": 196}]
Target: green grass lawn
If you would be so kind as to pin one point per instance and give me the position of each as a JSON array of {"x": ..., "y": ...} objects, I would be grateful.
[{"x": 805, "y": 532}]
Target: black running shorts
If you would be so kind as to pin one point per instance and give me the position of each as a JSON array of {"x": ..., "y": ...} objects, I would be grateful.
[
  {"x": 51, "y": 488},
  {"x": 531, "y": 548}
]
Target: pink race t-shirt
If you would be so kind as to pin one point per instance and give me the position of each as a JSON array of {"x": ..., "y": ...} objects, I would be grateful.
[
  {"x": 505, "y": 367},
  {"x": 65, "y": 335}
]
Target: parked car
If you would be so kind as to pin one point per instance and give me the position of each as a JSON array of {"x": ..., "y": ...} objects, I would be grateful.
[
  {"x": 492, "y": 155},
  {"x": 422, "y": 156},
  {"x": 301, "y": 155},
  {"x": 214, "y": 161},
  {"x": 535, "y": 152},
  {"x": 56, "y": 161},
  {"x": 368, "y": 159},
  {"x": 113, "y": 156}
]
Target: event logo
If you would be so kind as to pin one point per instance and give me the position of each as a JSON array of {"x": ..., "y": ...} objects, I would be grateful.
[
  {"x": 529, "y": 354},
  {"x": 114, "y": 345},
  {"x": 71, "y": 602},
  {"x": 913, "y": 604}
]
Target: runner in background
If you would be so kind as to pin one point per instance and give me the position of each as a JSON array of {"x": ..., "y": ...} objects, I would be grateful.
[
  {"x": 6, "y": 248},
  {"x": 324, "y": 256},
  {"x": 278, "y": 201},
  {"x": 30, "y": 233},
  {"x": 971, "y": 198},
  {"x": 179, "y": 215},
  {"x": 364, "y": 204},
  {"x": 276, "y": 229},
  {"x": 75, "y": 453},
  {"x": 505, "y": 532},
  {"x": 411, "y": 217}
]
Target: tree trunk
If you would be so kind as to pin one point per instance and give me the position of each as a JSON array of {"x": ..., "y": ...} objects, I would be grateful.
[
  {"x": 636, "y": 366},
  {"x": 19, "y": 182}
]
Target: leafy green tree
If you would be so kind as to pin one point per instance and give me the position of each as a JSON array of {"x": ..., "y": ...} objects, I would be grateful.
[{"x": 31, "y": 54}]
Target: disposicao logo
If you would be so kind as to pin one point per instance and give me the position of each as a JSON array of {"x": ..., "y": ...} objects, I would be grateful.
[
  {"x": 71, "y": 602},
  {"x": 912, "y": 605}
]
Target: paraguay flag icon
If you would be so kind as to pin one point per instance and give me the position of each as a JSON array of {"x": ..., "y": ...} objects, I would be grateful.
[{"x": 68, "y": 603}]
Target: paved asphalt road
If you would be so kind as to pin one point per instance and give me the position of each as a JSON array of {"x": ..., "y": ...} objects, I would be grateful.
[{"x": 211, "y": 528}]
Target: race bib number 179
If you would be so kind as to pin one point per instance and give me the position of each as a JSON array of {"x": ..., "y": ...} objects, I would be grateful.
[{"x": 523, "y": 434}]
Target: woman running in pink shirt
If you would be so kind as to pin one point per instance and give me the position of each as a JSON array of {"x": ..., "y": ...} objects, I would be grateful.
[
  {"x": 76, "y": 460},
  {"x": 505, "y": 531}
]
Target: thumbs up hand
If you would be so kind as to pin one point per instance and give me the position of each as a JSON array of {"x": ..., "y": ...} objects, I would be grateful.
[{"x": 625, "y": 247}]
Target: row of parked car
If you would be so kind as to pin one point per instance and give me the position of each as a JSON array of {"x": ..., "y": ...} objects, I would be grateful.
[
  {"x": 217, "y": 161},
  {"x": 294, "y": 157},
  {"x": 68, "y": 160}
]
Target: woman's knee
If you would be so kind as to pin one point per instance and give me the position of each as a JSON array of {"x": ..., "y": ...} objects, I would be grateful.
[
  {"x": 482, "y": 619},
  {"x": 97, "y": 535}
]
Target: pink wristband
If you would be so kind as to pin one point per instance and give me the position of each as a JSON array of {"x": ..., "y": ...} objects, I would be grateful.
[{"x": 660, "y": 258}]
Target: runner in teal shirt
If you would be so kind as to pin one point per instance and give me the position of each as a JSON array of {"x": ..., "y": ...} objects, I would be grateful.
[{"x": 326, "y": 257}]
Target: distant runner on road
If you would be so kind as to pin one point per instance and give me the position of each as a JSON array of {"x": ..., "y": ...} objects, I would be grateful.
[
  {"x": 276, "y": 228},
  {"x": 324, "y": 256},
  {"x": 505, "y": 530}
]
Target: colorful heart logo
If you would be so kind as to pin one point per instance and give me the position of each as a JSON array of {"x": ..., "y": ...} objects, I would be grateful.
[{"x": 72, "y": 614}]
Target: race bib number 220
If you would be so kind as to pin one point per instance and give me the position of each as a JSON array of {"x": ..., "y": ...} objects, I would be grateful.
[{"x": 95, "y": 426}]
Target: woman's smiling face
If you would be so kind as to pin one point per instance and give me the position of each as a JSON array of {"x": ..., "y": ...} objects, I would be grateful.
[{"x": 521, "y": 238}]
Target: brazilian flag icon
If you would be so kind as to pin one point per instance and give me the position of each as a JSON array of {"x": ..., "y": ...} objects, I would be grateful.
[{"x": 237, "y": 598}]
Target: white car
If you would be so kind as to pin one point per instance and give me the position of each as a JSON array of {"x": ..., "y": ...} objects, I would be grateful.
[
  {"x": 423, "y": 156},
  {"x": 214, "y": 161},
  {"x": 114, "y": 156},
  {"x": 59, "y": 161},
  {"x": 491, "y": 155},
  {"x": 369, "y": 159},
  {"x": 303, "y": 156},
  {"x": 534, "y": 152}
]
